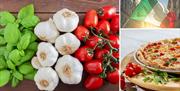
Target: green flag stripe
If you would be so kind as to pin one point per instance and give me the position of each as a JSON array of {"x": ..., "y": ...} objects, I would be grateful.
[{"x": 143, "y": 9}]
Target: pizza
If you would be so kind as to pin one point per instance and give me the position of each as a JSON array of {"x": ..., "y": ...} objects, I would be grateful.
[{"x": 163, "y": 54}]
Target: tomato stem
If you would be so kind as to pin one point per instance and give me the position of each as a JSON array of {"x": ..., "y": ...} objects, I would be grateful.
[{"x": 107, "y": 57}]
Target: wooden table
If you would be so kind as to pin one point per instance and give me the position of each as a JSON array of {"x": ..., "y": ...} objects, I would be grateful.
[{"x": 45, "y": 9}]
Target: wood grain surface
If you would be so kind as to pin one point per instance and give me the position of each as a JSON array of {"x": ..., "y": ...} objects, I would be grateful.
[{"x": 45, "y": 9}]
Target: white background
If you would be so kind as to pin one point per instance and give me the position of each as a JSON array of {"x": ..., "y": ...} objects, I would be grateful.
[{"x": 131, "y": 39}]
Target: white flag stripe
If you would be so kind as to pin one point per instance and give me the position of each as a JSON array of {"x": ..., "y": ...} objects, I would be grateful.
[{"x": 157, "y": 14}]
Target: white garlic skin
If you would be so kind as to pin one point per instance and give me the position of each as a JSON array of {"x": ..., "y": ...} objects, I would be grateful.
[
  {"x": 35, "y": 63},
  {"x": 47, "y": 54},
  {"x": 66, "y": 20},
  {"x": 67, "y": 44},
  {"x": 46, "y": 31},
  {"x": 49, "y": 76},
  {"x": 73, "y": 75}
]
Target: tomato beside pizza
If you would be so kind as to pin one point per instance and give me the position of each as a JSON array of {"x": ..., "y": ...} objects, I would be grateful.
[{"x": 163, "y": 54}]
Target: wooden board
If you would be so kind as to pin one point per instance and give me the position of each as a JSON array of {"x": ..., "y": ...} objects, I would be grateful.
[{"x": 45, "y": 9}]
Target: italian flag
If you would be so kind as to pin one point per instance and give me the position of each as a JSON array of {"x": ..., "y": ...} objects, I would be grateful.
[{"x": 151, "y": 11}]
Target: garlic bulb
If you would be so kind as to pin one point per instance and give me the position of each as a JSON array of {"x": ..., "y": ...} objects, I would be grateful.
[
  {"x": 46, "y": 31},
  {"x": 69, "y": 69},
  {"x": 47, "y": 54},
  {"x": 46, "y": 79},
  {"x": 66, "y": 20},
  {"x": 67, "y": 44},
  {"x": 35, "y": 63}
]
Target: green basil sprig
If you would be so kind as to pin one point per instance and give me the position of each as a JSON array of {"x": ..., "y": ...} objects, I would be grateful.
[{"x": 17, "y": 45}]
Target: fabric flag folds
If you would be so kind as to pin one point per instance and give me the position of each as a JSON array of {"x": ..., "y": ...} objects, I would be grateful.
[{"x": 151, "y": 11}]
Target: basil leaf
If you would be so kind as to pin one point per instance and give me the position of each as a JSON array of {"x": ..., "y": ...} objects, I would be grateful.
[
  {"x": 10, "y": 65},
  {"x": 33, "y": 46},
  {"x": 26, "y": 11},
  {"x": 26, "y": 68},
  {"x": 11, "y": 33},
  {"x": 31, "y": 75},
  {"x": 2, "y": 50},
  {"x": 14, "y": 82},
  {"x": 2, "y": 40},
  {"x": 6, "y": 17},
  {"x": 15, "y": 56},
  {"x": 18, "y": 75},
  {"x": 28, "y": 55},
  {"x": 30, "y": 21},
  {"x": 24, "y": 41},
  {"x": 33, "y": 36},
  {"x": 6, "y": 54},
  {"x": 9, "y": 47},
  {"x": 2, "y": 31},
  {"x": 2, "y": 63},
  {"x": 4, "y": 77}
]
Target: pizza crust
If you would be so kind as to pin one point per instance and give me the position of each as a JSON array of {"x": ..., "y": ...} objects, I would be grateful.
[{"x": 170, "y": 86}]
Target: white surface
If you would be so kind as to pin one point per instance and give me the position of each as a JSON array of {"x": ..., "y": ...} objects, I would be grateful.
[{"x": 132, "y": 39}]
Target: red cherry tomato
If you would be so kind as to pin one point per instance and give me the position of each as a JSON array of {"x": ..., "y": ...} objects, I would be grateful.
[
  {"x": 93, "y": 82},
  {"x": 84, "y": 54},
  {"x": 81, "y": 32},
  {"x": 115, "y": 24},
  {"x": 137, "y": 68},
  {"x": 116, "y": 65},
  {"x": 114, "y": 41},
  {"x": 116, "y": 54},
  {"x": 93, "y": 67},
  {"x": 123, "y": 84},
  {"x": 103, "y": 27},
  {"x": 99, "y": 54},
  {"x": 113, "y": 77},
  {"x": 129, "y": 71},
  {"x": 132, "y": 69},
  {"x": 130, "y": 64},
  {"x": 107, "y": 12},
  {"x": 92, "y": 41},
  {"x": 91, "y": 19}
]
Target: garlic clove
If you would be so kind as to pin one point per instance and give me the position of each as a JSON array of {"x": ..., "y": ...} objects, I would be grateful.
[
  {"x": 35, "y": 63},
  {"x": 47, "y": 54},
  {"x": 46, "y": 31},
  {"x": 46, "y": 79},
  {"x": 69, "y": 69},
  {"x": 66, "y": 20},
  {"x": 67, "y": 44}
]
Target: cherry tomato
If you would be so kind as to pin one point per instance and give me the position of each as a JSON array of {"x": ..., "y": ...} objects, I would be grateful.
[
  {"x": 107, "y": 12},
  {"x": 130, "y": 64},
  {"x": 99, "y": 54},
  {"x": 114, "y": 41},
  {"x": 115, "y": 24},
  {"x": 115, "y": 54},
  {"x": 123, "y": 84},
  {"x": 129, "y": 71},
  {"x": 93, "y": 66},
  {"x": 113, "y": 77},
  {"x": 93, "y": 82},
  {"x": 92, "y": 41},
  {"x": 116, "y": 65},
  {"x": 84, "y": 53},
  {"x": 81, "y": 32},
  {"x": 103, "y": 27},
  {"x": 91, "y": 19},
  {"x": 137, "y": 68}
]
